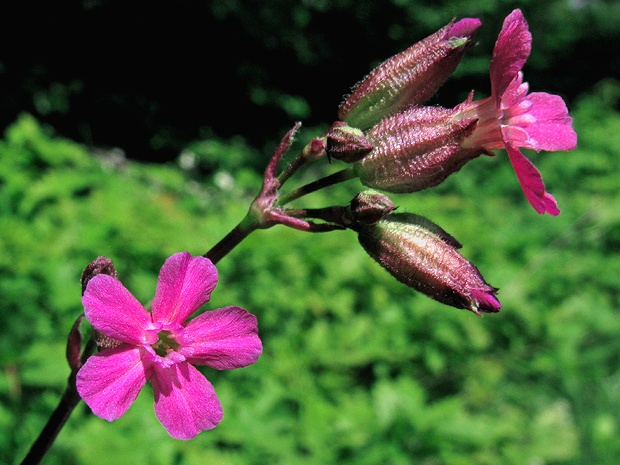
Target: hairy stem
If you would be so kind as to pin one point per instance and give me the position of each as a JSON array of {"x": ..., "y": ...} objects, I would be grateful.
[
  {"x": 313, "y": 151},
  {"x": 291, "y": 169}
]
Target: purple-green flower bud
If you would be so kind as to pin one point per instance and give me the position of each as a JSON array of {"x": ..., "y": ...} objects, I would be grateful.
[
  {"x": 102, "y": 265},
  {"x": 415, "y": 149},
  {"x": 423, "y": 256},
  {"x": 314, "y": 150},
  {"x": 345, "y": 143},
  {"x": 368, "y": 207},
  {"x": 410, "y": 77}
]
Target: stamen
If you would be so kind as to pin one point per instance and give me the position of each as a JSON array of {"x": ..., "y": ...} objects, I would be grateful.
[{"x": 165, "y": 344}]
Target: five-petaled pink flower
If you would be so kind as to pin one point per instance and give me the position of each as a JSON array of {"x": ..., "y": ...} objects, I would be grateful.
[
  {"x": 512, "y": 118},
  {"x": 161, "y": 348}
]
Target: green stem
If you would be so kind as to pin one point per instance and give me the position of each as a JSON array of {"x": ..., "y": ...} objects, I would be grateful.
[
  {"x": 232, "y": 239},
  {"x": 340, "y": 176}
]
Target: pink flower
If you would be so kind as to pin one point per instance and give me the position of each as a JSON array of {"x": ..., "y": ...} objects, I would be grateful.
[
  {"x": 160, "y": 348},
  {"x": 512, "y": 118}
]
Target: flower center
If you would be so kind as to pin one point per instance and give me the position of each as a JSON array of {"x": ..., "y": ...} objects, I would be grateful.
[
  {"x": 488, "y": 133},
  {"x": 165, "y": 343}
]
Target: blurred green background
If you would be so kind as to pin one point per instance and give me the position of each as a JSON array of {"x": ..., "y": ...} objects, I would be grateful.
[{"x": 357, "y": 369}]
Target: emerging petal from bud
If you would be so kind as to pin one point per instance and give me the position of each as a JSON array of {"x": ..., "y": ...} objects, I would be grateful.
[
  {"x": 423, "y": 256},
  {"x": 345, "y": 143},
  {"x": 415, "y": 149},
  {"x": 409, "y": 78}
]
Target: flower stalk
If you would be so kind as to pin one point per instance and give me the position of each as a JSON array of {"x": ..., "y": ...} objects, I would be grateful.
[
  {"x": 336, "y": 178},
  {"x": 70, "y": 399},
  {"x": 232, "y": 239}
]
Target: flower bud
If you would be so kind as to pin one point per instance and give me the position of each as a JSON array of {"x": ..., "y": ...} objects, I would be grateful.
[
  {"x": 409, "y": 78},
  {"x": 314, "y": 150},
  {"x": 415, "y": 149},
  {"x": 345, "y": 143},
  {"x": 368, "y": 207},
  {"x": 102, "y": 265},
  {"x": 423, "y": 256},
  {"x": 74, "y": 345}
]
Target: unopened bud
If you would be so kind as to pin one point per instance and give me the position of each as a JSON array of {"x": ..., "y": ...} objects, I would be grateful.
[
  {"x": 423, "y": 256},
  {"x": 345, "y": 143},
  {"x": 314, "y": 150},
  {"x": 102, "y": 265},
  {"x": 415, "y": 149},
  {"x": 74, "y": 345},
  {"x": 409, "y": 78},
  {"x": 368, "y": 207}
]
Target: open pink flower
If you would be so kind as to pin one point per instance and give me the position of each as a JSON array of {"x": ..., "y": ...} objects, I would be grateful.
[
  {"x": 512, "y": 118},
  {"x": 161, "y": 348}
]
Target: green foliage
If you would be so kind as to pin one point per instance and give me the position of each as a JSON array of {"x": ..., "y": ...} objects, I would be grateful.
[{"x": 357, "y": 369}]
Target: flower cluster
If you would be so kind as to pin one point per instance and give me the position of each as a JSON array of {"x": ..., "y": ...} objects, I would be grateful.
[
  {"x": 396, "y": 144},
  {"x": 391, "y": 143},
  {"x": 416, "y": 147}
]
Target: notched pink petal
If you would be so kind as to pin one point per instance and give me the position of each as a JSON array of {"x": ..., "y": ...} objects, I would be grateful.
[
  {"x": 226, "y": 338},
  {"x": 553, "y": 129},
  {"x": 112, "y": 310},
  {"x": 110, "y": 381},
  {"x": 551, "y": 205},
  {"x": 185, "y": 283},
  {"x": 532, "y": 183},
  {"x": 185, "y": 401},
  {"x": 511, "y": 50}
]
